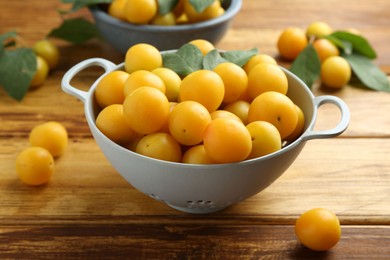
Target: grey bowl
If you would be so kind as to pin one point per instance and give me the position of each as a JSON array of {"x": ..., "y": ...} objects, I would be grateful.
[{"x": 122, "y": 35}]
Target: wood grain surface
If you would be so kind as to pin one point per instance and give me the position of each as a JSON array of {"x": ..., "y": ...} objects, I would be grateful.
[{"x": 88, "y": 211}]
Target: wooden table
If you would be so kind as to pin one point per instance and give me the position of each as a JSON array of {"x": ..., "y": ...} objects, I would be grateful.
[{"x": 89, "y": 211}]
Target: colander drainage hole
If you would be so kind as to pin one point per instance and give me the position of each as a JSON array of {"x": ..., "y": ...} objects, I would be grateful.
[{"x": 200, "y": 203}]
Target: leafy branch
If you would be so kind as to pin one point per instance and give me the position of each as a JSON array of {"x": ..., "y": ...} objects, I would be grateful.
[{"x": 355, "y": 49}]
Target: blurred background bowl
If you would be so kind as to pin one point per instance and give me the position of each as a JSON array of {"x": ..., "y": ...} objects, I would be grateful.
[
  {"x": 121, "y": 35},
  {"x": 196, "y": 188}
]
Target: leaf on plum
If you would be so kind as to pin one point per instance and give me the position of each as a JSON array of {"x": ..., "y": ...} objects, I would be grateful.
[
  {"x": 76, "y": 30},
  {"x": 359, "y": 43},
  {"x": 239, "y": 57},
  {"x": 3, "y": 38},
  {"x": 307, "y": 66},
  {"x": 212, "y": 59},
  {"x": 166, "y": 6},
  {"x": 17, "y": 68},
  {"x": 345, "y": 46},
  {"x": 188, "y": 58},
  {"x": 368, "y": 73},
  {"x": 200, "y": 5}
]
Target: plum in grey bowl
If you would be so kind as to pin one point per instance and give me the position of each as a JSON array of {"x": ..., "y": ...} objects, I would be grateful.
[{"x": 122, "y": 34}]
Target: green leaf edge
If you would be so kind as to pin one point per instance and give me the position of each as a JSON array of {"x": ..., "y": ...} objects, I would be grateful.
[
  {"x": 371, "y": 75},
  {"x": 310, "y": 72},
  {"x": 66, "y": 31},
  {"x": 180, "y": 61},
  {"x": 17, "y": 89},
  {"x": 359, "y": 43}
]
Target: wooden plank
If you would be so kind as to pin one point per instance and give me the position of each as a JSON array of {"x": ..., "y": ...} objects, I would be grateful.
[
  {"x": 183, "y": 242},
  {"x": 86, "y": 188}
]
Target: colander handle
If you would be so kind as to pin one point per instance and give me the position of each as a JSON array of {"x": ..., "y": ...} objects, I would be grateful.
[
  {"x": 340, "y": 127},
  {"x": 71, "y": 73}
]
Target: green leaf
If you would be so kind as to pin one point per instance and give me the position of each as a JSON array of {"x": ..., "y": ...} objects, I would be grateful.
[
  {"x": 307, "y": 66},
  {"x": 368, "y": 73},
  {"x": 78, "y": 4},
  {"x": 192, "y": 54},
  {"x": 76, "y": 30},
  {"x": 200, "y": 5},
  {"x": 17, "y": 68},
  {"x": 359, "y": 43},
  {"x": 4, "y": 37},
  {"x": 68, "y": 1},
  {"x": 239, "y": 57},
  {"x": 165, "y": 6},
  {"x": 212, "y": 59},
  {"x": 345, "y": 46},
  {"x": 187, "y": 59}
]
